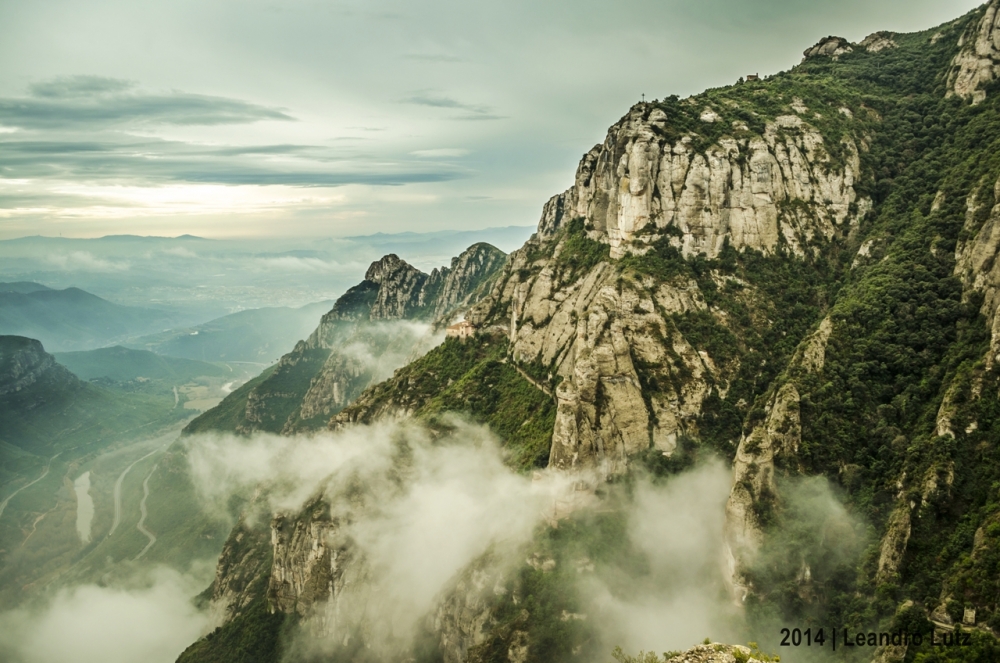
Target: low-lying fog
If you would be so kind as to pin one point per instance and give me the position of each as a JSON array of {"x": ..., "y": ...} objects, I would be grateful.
[{"x": 428, "y": 508}]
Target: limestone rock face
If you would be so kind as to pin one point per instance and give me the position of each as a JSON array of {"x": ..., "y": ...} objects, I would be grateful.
[
  {"x": 468, "y": 271},
  {"x": 774, "y": 440},
  {"x": 877, "y": 41},
  {"x": 399, "y": 287},
  {"x": 464, "y": 619},
  {"x": 639, "y": 186},
  {"x": 978, "y": 61},
  {"x": 405, "y": 292},
  {"x": 975, "y": 263},
  {"x": 240, "y": 575},
  {"x": 603, "y": 335},
  {"x": 306, "y": 568},
  {"x": 831, "y": 47},
  {"x": 894, "y": 541},
  {"x": 715, "y": 653},
  {"x": 753, "y": 478},
  {"x": 23, "y": 362}
]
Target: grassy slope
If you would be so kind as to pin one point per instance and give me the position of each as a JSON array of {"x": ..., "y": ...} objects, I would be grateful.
[{"x": 472, "y": 378}]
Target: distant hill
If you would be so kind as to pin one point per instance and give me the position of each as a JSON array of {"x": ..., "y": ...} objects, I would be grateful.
[
  {"x": 45, "y": 408},
  {"x": 429, "y": 250},
  {"x": 125, "y": 364},
  {"x": 256, "y": 335},
  {"x": 71, "y": 319},
  {"x": 23, "y": 287}
]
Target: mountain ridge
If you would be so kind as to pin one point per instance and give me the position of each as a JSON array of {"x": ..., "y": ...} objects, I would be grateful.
[{"x": 796, "y": 274}]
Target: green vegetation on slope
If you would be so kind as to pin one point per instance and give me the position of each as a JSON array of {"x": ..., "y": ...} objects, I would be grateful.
[
  {"x": 231, "y": 412},
  {"x": 472, "y": 377},
  {"x": 124, "y": 365}
]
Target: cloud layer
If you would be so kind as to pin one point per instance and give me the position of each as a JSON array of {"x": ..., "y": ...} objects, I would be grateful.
[
  {"x": 152, "y": 622},
  {"x": 502, "y": 99},
  {"x": 97, "y": 102}
]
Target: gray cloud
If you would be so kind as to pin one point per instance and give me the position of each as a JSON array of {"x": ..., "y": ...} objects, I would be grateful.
[
  {"x": 122, "y": 159},
  {"x": 433, "y": 100},
  {"x": 95, "y": 101},
  {"x": 62, "y": 87}
]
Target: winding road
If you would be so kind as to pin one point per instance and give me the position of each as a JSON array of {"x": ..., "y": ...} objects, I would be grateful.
[
  {"x": 142, "y": 510},
  {"x": 118, "y": 491},
  {"x": 3, "y": 505}
]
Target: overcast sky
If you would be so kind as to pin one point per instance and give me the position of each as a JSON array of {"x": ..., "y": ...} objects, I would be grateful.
[{"x": 311, "y": 118}]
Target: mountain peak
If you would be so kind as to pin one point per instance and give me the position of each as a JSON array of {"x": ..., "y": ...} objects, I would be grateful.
[{"x": 387, "y": 266}]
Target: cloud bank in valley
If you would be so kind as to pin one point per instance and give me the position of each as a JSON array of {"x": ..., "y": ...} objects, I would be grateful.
[
  {"x": 430, "y": 508},
  {"x": 419, "y": 510},
  {"x": 151, "y": 621}
]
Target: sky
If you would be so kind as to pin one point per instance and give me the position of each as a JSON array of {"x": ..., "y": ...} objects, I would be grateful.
[{"x": 330, "y": 118}]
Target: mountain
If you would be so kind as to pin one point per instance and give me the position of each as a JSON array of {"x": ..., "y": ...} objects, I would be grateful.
[
  {"x": 372, "y": 329},
  {"x": 796, "y": 275},
  {"x": 432, "y": 247},
  {"x": 71, "y": 319},
  {"x": 255, "y": 335},
  {"x": 47, "y": 410},
  {"x": 124, "y": 365},
  {"x": 22, "y": 287}
]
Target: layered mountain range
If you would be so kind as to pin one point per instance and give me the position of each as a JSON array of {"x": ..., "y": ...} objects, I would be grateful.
[{"x": 796, "y": 274}]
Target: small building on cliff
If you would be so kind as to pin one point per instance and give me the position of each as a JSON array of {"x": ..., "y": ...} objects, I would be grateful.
[{"x": 461, "y": 330}]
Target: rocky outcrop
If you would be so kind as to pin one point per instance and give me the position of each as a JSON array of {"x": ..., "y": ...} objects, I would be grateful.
[
  {"x": 975, "y": 260},
  {"x": 400, "y": 285},
  {"x": 639, "y": 187},
  {"x": 772, "y": 442},
  {"x": 978, "y": 60},
  {"x": 754, "y": 491},
  {"x": 368, "y": 350},
  {"x": 831, "y": 47},
  {"x": 464, "y": 620},
  {"x": 307, "y": 567},
  {"x": 240, "y": 575},
  {"x": 468, "y": 272},
  {"x": 894, "y": 542},
  {"x": 405, "y": 292},
  {"x": 878, "y": 41},
  {"x": 24, "y": 362},
  {"x": 603, "y": 336}
]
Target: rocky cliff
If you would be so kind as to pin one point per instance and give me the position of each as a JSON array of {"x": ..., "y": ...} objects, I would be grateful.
[
  {"x": 23, "y": 363},
  {"x": 393, "y": 316},
  {"x": 977, "y": 63},
  {"x": 797, "y": 275}
]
